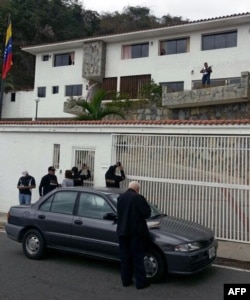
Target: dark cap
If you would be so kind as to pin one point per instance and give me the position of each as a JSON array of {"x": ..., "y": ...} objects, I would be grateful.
[{"x": 51, "y": 168}]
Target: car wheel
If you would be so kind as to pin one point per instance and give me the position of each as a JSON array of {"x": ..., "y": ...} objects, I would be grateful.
[
  {"x": 33, "y": 244},
  {"x": 155, "y": 265}
]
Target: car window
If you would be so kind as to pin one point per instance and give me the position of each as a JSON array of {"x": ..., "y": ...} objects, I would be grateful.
[
  {"x": 62, "y": 202},
  {"x": 47, "y": 204},
  {"x": 113, "y": 198},
  {"x": 154, "y": 210},
  {"x": 92, "y": 206}
]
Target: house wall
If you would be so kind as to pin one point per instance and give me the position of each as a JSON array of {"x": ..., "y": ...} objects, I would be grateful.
[
  {"x": 226, "y": 62},
  {"x": 32, "y": 149},
  {"x": 46, "y": 75},
  {"x": 49, "y": 76},
  {"x": 29, "y": 146},
  {"x": 23, "y": 107}
]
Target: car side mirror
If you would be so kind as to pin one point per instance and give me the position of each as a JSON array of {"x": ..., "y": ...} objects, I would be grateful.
[{"x": 110, "y": 216}]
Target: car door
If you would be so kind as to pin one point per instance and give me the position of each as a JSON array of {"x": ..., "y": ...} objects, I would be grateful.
[
  {"x": 54, "y": 218},
  {"x": 90, "y": 232}
]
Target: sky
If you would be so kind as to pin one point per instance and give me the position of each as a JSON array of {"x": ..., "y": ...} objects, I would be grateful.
[{"x": 187, "y": 9}]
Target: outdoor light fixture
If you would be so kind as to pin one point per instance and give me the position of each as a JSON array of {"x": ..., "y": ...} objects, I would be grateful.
[{"x": 37, "y": 101}]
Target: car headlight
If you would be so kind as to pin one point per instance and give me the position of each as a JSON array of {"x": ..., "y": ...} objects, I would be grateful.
[
  {"x": 153, "y": 224},
  {"x": 187, "y": 247}
]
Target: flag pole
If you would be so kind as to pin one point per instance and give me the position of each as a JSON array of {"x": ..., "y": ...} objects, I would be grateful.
[{"x": 1, "y": 97}]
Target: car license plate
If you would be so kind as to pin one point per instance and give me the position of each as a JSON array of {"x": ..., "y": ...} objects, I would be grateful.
[{"x": 211, "y": 252}]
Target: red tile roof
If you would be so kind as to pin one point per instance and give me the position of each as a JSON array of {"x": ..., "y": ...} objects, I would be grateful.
[{"x": 125, "y": 122}]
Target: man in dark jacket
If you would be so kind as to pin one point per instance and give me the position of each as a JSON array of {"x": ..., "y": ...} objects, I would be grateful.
[
  {"x": 80, "y": 176},
  {"x": 48, "y": 182},
  {"x": 132, "y": 230},
  {"x": 113, "y": 180}
]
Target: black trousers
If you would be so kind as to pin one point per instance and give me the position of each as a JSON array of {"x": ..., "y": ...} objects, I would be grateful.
[{"x": 132, "y": 250}]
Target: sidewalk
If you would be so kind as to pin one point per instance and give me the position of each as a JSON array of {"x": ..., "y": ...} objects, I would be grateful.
[
  {"x": 227, "y": 250},
  {"x": 3, "y": 220}
]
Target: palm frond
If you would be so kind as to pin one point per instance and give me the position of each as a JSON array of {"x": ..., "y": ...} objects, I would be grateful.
[
  {"x": 112, "y": 111},
  {"x": 94, "y": 110}
]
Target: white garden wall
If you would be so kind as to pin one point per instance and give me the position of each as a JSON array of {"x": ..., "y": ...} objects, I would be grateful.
[{"x": 32, "y": 150}]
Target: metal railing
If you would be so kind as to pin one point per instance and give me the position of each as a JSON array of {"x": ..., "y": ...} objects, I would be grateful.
[
  {"x": 204, "y": 179},
  {"x": 85, "y": 156},
  {"x": 197, "y": 84}
]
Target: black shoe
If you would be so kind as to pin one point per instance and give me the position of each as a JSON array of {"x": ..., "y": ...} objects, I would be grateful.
[
  {"x": 125, "y": 284},
  {"x": 145, "y": 285}
]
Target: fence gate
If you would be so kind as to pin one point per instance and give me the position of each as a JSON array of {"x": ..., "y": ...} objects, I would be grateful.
[{"x": 204, "y": 179}]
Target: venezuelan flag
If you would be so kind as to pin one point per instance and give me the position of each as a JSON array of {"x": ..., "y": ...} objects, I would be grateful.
[{"x": 7, "y": 58}]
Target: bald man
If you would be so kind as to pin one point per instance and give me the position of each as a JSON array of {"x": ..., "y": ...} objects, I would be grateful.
[{"x": 133, "y": 234}]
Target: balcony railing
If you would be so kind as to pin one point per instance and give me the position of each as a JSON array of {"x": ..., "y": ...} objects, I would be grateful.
[{"x": 213, "y": 95}]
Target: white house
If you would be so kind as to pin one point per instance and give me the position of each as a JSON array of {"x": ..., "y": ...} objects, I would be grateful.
[
  {"x": 123, "y": 62},
  {"x": 198, "y": 170}
]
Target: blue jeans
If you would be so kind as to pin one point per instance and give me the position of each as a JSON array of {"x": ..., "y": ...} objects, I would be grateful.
[
  {"x": 24, "y": 199},
  {"x": 206, "y": 79}
]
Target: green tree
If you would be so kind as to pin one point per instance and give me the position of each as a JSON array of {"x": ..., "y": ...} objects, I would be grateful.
[
  {"x": 131, "y": 19},
  {"x": 46, "y": 21},
  {"x": 169, "y": 20},
  {"x": 152, "y": 92},
  {"x": 38, "y": 22},
  {"x": 94, "y": 110}
]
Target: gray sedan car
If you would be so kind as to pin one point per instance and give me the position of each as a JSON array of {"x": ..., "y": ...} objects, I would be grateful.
[{"x": 83, "y": 220}]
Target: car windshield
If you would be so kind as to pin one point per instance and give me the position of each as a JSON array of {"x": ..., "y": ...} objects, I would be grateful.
[{"x": 154, "y": 210}]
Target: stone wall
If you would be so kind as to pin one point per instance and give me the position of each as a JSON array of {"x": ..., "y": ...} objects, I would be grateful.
[
  {"x": 216, "y": 112},
  {"x": 94, "y": 60},
  {"x": 154, "y": 112},
  {"x": 232, "y": 93},
  {"x": 216, "y": 103}
]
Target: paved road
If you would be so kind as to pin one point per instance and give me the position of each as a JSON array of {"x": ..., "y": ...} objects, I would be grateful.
[{"x": 62, "y": 277}]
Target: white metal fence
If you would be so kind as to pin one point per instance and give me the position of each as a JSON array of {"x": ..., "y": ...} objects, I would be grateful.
[
  {"x": 200, "y": 178},
  {"x": 85, "y": 156}
]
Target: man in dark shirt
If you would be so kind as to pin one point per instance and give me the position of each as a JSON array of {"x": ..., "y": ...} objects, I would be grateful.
[
  {"x": 206, "y": 71},
  {"x": 113, "y": 180},
  {"x": 25, "y": 184},
  {"x": 132, "y": 230},
  {"x": 48, "y": 182},
  {"x": 80, "y": 176}
]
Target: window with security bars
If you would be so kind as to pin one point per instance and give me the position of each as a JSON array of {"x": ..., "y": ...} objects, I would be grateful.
[
  {"x": 56, "y": 156},
  {"x": 87, "y": 157}
]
